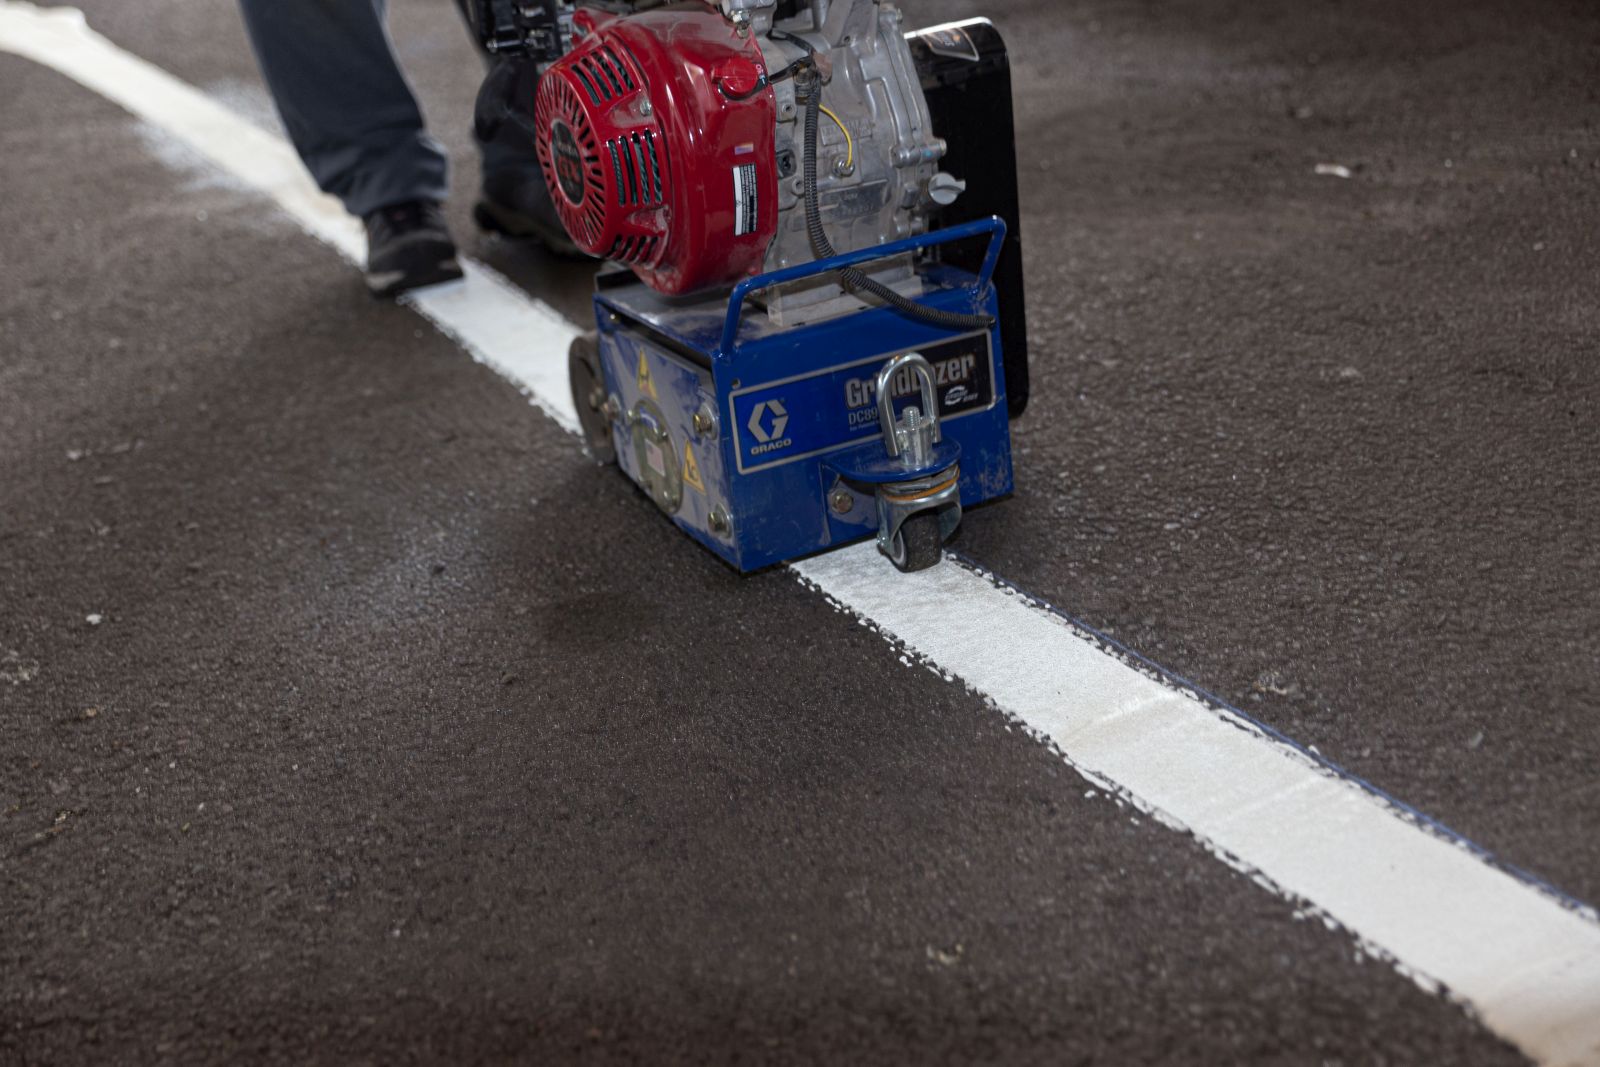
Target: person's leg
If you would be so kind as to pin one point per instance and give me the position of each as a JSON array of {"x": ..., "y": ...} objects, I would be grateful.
[
  {"x": 510, "y": 145},
  {"x": 349, "y": 111},
  {"x": 515, "y": 200},
  {"x": 332, "y": 72}
]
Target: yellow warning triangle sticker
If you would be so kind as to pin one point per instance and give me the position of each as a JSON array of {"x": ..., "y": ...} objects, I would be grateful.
[
  {"x": 691, "y": 469},
  {"x": 647, "y": 385}
]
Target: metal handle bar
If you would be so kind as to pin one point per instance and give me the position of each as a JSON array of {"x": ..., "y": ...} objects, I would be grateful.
[{"x": 994, "y": 227}]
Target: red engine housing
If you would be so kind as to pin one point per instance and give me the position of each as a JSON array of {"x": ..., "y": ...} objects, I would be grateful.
[{"x": 649, "y": 159}]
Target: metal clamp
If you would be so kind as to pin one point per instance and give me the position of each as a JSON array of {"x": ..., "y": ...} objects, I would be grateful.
[{"x": 910, "y": 439}]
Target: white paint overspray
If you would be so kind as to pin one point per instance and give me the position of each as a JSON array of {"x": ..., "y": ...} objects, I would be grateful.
[
  {"x": 494, "y": 321},
  {"x": 1526, "y": 963}
]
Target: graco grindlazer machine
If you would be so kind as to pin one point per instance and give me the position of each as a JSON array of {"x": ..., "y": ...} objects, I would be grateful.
[{"x": 814, "y": 329}]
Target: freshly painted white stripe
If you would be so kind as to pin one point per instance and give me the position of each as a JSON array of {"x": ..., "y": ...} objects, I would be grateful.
[
  {"x": 489, "y": 317},
  {"x": 59, "y": 37},
  {"x": 524, "y": 339},
  {"x": 1529, "y": 965}
]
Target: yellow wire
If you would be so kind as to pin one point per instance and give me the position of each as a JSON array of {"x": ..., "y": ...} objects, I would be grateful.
[{"x": 849, "y": 142}]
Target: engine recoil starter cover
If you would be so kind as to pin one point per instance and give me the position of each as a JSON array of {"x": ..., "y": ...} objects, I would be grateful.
[{"x": 656, "y": 136}]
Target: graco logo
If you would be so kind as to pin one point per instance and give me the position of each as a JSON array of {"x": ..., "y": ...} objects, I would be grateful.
[{"x": 769, "y": 433}]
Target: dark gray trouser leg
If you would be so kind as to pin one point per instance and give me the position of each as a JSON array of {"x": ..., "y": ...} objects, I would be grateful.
[
  {"x": 332, "y": 72},
  {"x": 512, "y": 147}
]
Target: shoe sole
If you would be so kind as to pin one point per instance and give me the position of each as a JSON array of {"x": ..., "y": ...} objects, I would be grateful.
[{"x": 388, "y": 284}]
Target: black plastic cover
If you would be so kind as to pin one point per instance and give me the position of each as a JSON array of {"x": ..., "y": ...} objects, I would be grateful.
[{"x": 966, "y": 74}]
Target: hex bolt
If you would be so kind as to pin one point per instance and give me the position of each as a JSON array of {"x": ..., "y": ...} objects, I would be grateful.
[
  {"x": 705, "y": 422},
  {"x": 842, "y": 501},
  {"x": 720, "y": 524}
]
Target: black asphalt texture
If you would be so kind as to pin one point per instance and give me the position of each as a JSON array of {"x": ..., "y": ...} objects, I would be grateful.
[{"x": 406, "y": 735}]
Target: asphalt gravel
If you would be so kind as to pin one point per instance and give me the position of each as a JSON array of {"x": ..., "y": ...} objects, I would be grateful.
[{"x": 404, "y": 735}]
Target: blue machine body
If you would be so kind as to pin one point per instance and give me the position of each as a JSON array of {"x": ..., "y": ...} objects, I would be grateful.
[{"x": 750, "y": 435}]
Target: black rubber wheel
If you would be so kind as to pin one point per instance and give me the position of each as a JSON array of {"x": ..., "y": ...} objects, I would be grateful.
[
  {"x": 589, "y": 397},
  {"x": 918, "y": 545}
]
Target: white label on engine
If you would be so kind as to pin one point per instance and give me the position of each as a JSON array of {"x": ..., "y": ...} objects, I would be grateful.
[{"x": 744, "y": 200}]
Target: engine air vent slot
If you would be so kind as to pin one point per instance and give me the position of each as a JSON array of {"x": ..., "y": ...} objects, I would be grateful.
[
  {"x": 636, "y": 166},
  {"x": 621, "y": 68},
  {"x": 583, "y": 78}
]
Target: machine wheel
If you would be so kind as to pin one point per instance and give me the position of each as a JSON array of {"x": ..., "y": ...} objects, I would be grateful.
[
  {"x": 919, "y": 543},
  {"x": 589, "y": 396}
]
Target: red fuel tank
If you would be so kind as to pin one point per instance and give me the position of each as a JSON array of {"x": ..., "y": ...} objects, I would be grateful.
[{"x": 656, "y": 135}]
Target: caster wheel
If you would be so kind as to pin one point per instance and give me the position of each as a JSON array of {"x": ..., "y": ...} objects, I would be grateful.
[
  {"x": 589, "y": 396},
  {"x": 919, "y": 543}
]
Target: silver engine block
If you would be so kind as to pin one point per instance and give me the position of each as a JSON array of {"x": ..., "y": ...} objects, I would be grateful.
[{"x": 878, "y": 176}]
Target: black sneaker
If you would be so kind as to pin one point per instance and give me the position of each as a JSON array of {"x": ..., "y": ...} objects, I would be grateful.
[
  {"x": 408, "y": 246},
  {"x": 517, "y": 204}
]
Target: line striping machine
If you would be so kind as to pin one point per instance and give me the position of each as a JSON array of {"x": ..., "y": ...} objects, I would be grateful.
[{"x": 812, "y": 331}]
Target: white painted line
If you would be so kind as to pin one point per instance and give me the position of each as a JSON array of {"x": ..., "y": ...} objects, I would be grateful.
[
  {"x": 1528, "y": 964},
  {"x": 492, "y": 319},
  {"x": 524, "y": 339}
]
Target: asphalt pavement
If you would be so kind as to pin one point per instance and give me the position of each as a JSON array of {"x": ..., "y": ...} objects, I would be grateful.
[{"x": 349, "y": 714}]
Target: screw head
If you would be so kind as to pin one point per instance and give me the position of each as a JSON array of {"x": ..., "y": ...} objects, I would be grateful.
[{"x": 721, "y": 525}]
